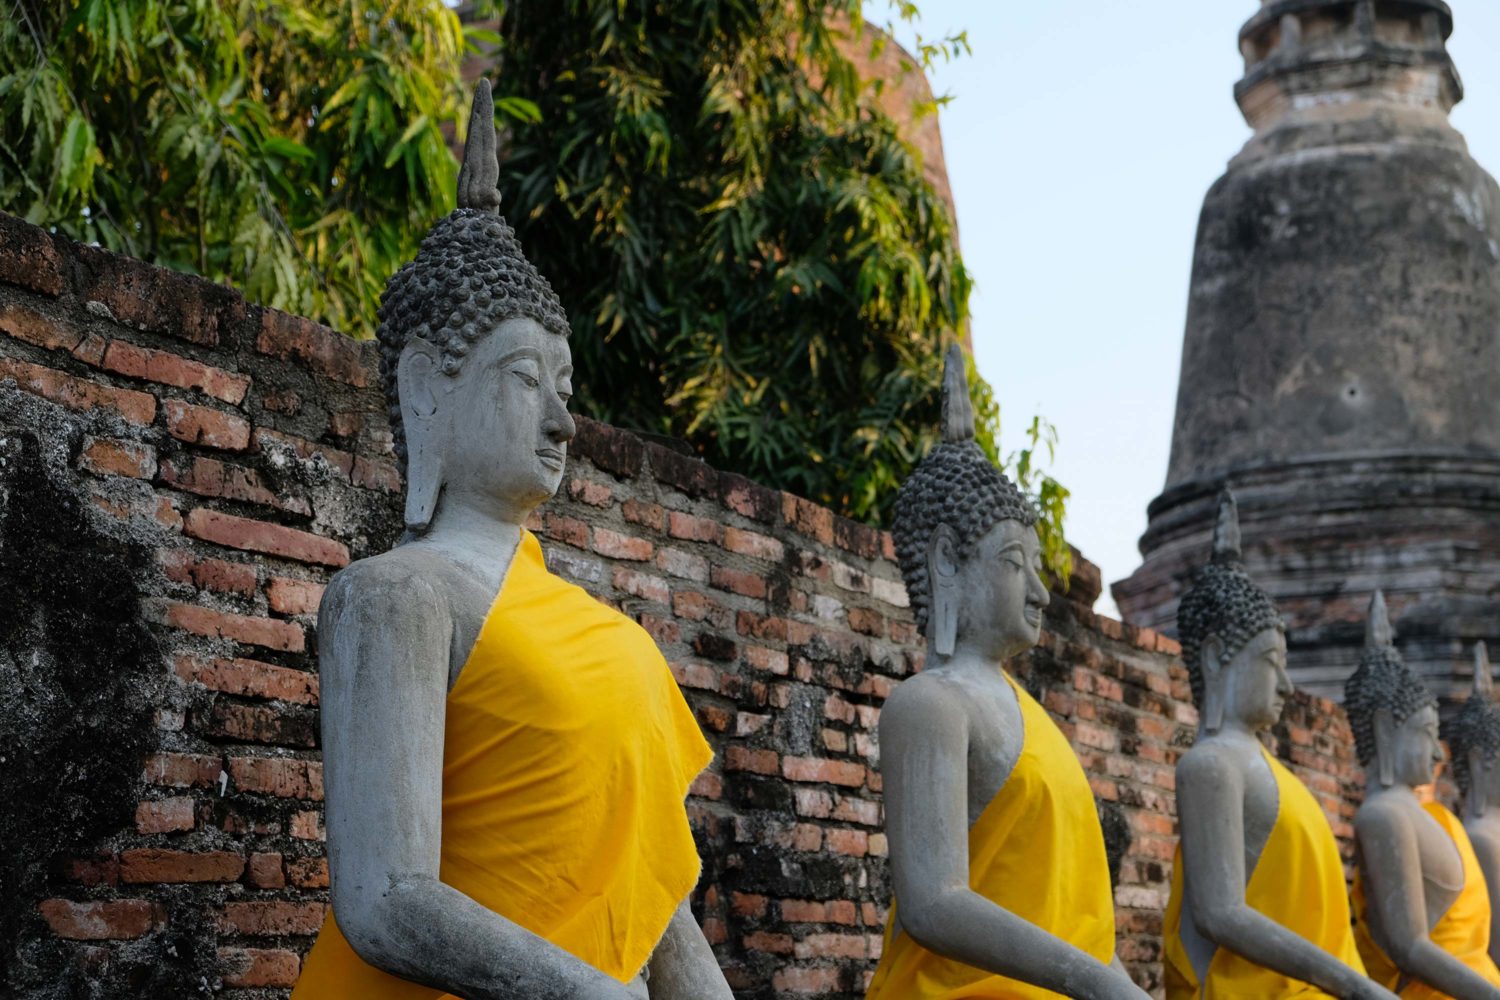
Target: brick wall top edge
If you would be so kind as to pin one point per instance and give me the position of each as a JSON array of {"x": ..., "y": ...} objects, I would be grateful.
[{"x": 217, "y": 317}]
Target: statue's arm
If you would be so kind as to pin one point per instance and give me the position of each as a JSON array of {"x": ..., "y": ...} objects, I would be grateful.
[
  {"x": 384, "y": 645},
  {"x": 1487, "y": 851},
  {"x": 924, "y": 765},
  {"x": 1391, "y": 863},
  {"x": 683, "y": 967},
  {"x": 1210, "y": 809}
]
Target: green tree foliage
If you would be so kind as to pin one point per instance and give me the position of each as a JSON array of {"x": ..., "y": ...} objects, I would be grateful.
[
  {"x": 750, "y": 253},
  {"x": 295, "y": 150},
  {"x": 751, "y": 256}
]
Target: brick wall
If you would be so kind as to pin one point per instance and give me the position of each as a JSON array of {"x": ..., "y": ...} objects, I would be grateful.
[{"x": 179, "y": 474}]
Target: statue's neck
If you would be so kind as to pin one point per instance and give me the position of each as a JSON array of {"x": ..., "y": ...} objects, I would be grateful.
[
  {"x": 478, "y": 535},
  {"x": 969, "y": 654},
  {"x": 1235, "y": 731}
]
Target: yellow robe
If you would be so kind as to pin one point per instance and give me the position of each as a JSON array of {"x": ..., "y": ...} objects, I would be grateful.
[
  {"x": 568, "y": 751},
  {"x": 1298, "y": 882},
  {"x": 1463, "y": 931},
  {"x": 1037, "y": 850}
]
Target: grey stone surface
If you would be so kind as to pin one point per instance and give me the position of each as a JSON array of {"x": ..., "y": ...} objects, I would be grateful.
[
  {"x": 1227, "y": 797},
  {"x": 1343, "y": 329},
  {"x": 1473, "y": 736},
  {"x": 951, "y": 735},
  {"x": 395, "y": 629},
  {"x": 1411, "y": 872}
]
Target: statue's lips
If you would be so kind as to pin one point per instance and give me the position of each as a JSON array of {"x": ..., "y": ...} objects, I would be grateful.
[
  {"x": 551, "y": 458},
  {"x": 1033, "y": 616}
]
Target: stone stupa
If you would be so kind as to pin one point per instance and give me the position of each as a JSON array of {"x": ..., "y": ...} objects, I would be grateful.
[{"x": 1340, "y": 363}]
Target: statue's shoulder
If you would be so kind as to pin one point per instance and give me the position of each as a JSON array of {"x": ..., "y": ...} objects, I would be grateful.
[
  {"x": 931, "y": 694},
  {"x": 1213, "y": 761},
  {"x": 401, "y": 582},
  {"x": 1385, "y": 815}
]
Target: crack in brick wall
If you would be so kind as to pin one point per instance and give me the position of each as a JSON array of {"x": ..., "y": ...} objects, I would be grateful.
[{"x": 244, "y": 454}]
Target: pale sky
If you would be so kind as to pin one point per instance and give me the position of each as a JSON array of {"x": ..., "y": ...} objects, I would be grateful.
[{"x": 1082, "y": 137}]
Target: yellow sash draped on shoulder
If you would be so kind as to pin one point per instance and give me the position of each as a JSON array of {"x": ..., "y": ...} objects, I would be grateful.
[
  {"x": 1463, "y": 931},
  {"x": 1037, "y": 850},
  {"x": 1298, "y": 882},
  {"x": 568, "y": 751}
]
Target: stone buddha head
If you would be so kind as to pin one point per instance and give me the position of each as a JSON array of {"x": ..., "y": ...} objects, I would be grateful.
[
  {"x": 1393, "y": 715},
  {"x": 967, "y": 542},
  {"x": 474, "y": 356},
  {"x": 1233, "y": 640},
  {"x": 1473, "y": 736}
]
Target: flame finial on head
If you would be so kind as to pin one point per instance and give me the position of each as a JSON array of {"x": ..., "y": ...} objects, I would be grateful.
[
  {"x": 1227, "y": 529},
  {"x": 1484, "y": 684},
  {"x": 479, "y": 176},
  {"x": 1378, "y": 633},
  {"x": 958, "y": 409}
]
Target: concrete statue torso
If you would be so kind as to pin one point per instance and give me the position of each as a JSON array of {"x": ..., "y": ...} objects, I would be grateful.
[
  {"x": 1421, "y": 906},
  {"x": 1473, "y": 736},
  {"x": 413, "y": 636},
  {"x": 973, "y": 767},
  {"x": 1258, "y": 905}
]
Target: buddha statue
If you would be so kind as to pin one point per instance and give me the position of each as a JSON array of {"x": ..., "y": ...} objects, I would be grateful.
[
  {"x": 506, "y": 758},
  {"x": 1421, "y": 906},
  {"x": 1002, "y": 887},
  {"x": 1258, "y": 905},
  {"x": 1473, "y": 736}
]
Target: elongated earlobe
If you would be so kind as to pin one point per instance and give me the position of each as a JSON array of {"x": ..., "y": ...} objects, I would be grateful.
[
  {"x": 1479, "y": 781},
  {"x": 1211, "y": 664},
  {"x": 942, "y": 571},
  {"x": 415, "y": 374},
  {"x": 1385, "y": 747}
]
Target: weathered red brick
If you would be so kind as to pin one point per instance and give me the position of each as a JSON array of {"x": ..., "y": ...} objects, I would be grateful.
[
  {"x": 79, "y": 394},
  {"x": 210, "y": 477},
  {"x": 172, "y": 815},
  {"x": 206, "y": 426},
  {"x": 34, "y": 328},
  {"x": 589, "y": 492},
  {"x": 854, "y": 843},
  {"x": 568, "y": 530},
  {"x": 613, "y": 545},
  {"x": 322, "y": 350},
  {"x": 182, "y": 770},
  {"x": 748, "y": 904},
  {"x": 739, "y": 581},
  {"x": 307, "y": 825},
  {"x": 642, "y": 585},
  {"x": 339, "y": 461},
  {"x": 660, "y": 629},
  {"x": 269, "y": 632},
  {"x": 287, "y": 596},
  {"x": 867, "y": 622},
  {"x": 102, "y": 870},
  {"x": 249, "y": 967},
  {"x": 692, "y": 605},
  {"x": 113, "y": 457},
  {"x": 753, "y": 544},
  {"x": 650, "y": 515},
  {"x": 156, "y": 865},
  {"x": 181, "y": 566},
  {"x": 103, "y": 919},
  {"x": 683, "y": 564},
  {"x": 269, "y": 539},
  {"x": 817, "y": 769},
  {"x": 739, "y": 758},
  {"x": 278, "y": 726},
  {"x": 376, "y": 474},
  {"x": 125, "y": 358},
  {"x": 283, "y": 777},
  {"x": 251, "y": 678},
  {"x": 29, "y": 258},
  {"x": 271, "y": 918},
  {"x": 807, "y": 518},
  {"x": 768, "y": 943},
  {"x": 693, "y": 528},
  {"x": 806, "y": 979},
  {"x": 265, "y": 871},
  {"x": 695, "y": 675},
  {"x": 153, "y": 298},
  {"x": 308, "y": 873}
]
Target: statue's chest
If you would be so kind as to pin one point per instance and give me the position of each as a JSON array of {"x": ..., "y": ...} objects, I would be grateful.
[
  {"x": 1262, "y": 805},
  {"x": 1442, "y": 866},
  {"x": 997, "y": 734}
]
